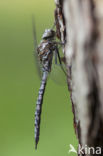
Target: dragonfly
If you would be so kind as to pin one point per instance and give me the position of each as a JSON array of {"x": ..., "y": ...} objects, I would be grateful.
[{"x": 45, "y": 51}]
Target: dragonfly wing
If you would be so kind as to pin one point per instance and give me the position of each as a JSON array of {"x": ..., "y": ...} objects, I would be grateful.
[
  {"x": 58, "y": 73},
  {"x": 36, "y": 59}
]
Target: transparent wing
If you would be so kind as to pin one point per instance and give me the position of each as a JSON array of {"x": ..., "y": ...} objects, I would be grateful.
[
  {"x": 36, "y": 59},
  {"x": 58, "y": 73}
]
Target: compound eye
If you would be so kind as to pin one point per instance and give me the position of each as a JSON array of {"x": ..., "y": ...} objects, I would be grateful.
[{"x": 49, "y": 33}]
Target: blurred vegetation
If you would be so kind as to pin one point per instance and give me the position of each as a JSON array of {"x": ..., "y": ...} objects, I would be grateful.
[{"x": 20, "y": 84}]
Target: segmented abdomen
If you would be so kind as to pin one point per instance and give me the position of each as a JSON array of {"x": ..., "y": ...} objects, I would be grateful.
[
  {"x": 39, "y": 107},
  {"x": 45, "y": 54}
]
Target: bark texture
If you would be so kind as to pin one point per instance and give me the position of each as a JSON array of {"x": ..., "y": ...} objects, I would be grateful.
[{"x": 80, "y": 24}]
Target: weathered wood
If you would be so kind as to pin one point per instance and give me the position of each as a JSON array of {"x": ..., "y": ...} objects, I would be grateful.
[{"x": 83, "y": 21}]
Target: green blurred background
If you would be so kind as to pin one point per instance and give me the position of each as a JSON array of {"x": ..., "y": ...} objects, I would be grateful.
[{"x": 19, "y": 84}]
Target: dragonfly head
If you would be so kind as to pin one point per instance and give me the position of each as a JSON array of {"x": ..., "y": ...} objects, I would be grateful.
[{"x": 49, "y": 34}]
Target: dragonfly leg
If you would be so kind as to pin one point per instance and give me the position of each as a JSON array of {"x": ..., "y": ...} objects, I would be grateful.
[
  {"x": 59, "y": 43},
  {"x": 55, "y": 57},
  {"x": 57, "y": 51},
  {"x": 53, "y": 25}
]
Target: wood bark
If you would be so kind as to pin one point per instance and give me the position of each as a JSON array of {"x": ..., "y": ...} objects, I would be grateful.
[{"x": 79, "y": 23}]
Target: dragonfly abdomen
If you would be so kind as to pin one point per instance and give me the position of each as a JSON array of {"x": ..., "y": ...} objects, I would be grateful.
[{"x": 39, "y": 107}]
